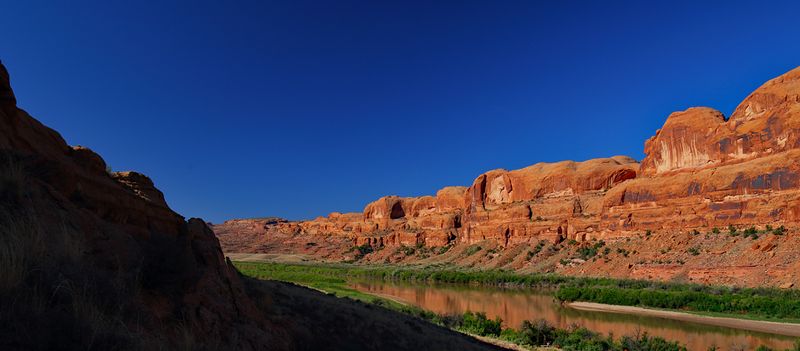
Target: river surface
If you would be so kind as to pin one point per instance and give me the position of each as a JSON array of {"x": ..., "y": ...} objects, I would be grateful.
[{"x": 516, "y": 305}]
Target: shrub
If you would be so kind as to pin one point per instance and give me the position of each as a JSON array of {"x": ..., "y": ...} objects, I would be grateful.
[
  {"x": 751, "y": 232},
  {"x": 645, "y": 342},
  {"x": 472, "y": 250},
  {"x": 538, "y": 332},
  {"x": 363, "y": 250},
  {"x": 536, "y": 249},
  {"x": 478, "y": 324},
  {"x": 586, "y": 253},
  {"x": 694, "y": 250},
  {"x": 579, "y": 338},
  {"x": 406, "y": 250}
]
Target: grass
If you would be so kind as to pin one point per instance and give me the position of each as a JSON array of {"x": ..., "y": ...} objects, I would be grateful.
[
  {"x": 320, "y": 278},
  {"x": 52, "y": 295}
]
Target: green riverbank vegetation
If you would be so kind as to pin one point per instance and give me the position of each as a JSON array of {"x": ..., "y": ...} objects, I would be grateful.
[
  {"x": 531, "y": 334},
  {"x": 751, "y": 303},
  {"x": 333, "y": 279}
]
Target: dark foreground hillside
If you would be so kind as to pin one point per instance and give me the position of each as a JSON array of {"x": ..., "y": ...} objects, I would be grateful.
[{"x": 96, "y": 260}]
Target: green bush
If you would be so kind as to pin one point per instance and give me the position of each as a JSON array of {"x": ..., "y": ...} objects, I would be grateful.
[
  {"x": 363, "y": 250},
  {"x": 478, "y": 324},
  {"x": 539, "y": 332},
  {"x": 472, "y": 250},
  {"x": 694, "y": 250},
  {"x": 645, "y": 342}
]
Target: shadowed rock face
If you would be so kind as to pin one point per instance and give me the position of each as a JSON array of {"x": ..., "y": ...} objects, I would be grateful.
[
  {"x": 93, "y": 259},
  {"x": 127, "y": 236},
  {"x": 701, "y": 171},
  {"x": 7, "y": 98}
]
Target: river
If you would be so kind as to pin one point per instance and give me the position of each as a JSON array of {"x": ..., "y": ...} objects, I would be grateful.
[{"x": 516, "y": 305}]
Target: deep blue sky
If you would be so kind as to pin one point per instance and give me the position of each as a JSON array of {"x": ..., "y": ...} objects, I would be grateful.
[{"x": 297, "y": 109}]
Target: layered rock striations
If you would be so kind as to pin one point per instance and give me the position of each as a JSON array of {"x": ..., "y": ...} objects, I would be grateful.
[{"x": 701, "y": 170}]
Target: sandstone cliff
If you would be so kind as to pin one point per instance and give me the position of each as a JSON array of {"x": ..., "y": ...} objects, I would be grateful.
[
  {"x": 701, "y": 171},
  {"x": 96, "y": 260}
]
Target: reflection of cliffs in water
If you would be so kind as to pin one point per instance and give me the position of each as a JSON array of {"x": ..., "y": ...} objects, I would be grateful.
[{"x": 516, "y": 305}]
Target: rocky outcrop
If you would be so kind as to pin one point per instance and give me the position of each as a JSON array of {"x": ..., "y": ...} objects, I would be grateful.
[
  {"x": 685, "y": 142},
  {"x": 96, "y": 260},
  {"x": 701, "y": 171},
  {"x": 548, "y": 201},
  {"x": 767, "y": 122},
  {"x": 118, "y": 252}
]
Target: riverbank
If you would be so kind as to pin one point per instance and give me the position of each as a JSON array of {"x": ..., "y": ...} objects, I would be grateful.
[
  {"x": 788, "y": 329},
  {"x": 768, "y": 304},
  {"x": 532, "y": 335}
]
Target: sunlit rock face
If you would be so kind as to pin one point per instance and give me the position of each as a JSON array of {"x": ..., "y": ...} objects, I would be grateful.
[
  {"x": 766, "y": 122},
  {"x": 701, "y": 170},
  {"x": 684, "y": 142}
]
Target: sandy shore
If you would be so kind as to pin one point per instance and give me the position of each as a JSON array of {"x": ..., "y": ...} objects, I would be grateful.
[
  {"x": 789, "y": 329},
  {"x": 250, "y": 257}
]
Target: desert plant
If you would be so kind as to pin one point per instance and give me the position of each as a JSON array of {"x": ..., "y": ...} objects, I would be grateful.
[
  {"x": 363, "y": 250},
  {"x": 471, "y": 250},
  {"x": 477, "y": 323},
  {"x": 694, "y": 250},
  {"x": 538, "y": 332}
]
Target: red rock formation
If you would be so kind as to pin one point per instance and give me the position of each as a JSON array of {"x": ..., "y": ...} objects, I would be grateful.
[
  {"x": 701, "y": 171},
  {"x": 125, "y": 237},
  {"x": 543, "y": 201},
  {"x": 96, "y": 260}
]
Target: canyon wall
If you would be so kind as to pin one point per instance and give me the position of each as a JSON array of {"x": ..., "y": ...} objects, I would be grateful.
[{"x": 701, "y": 171}]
